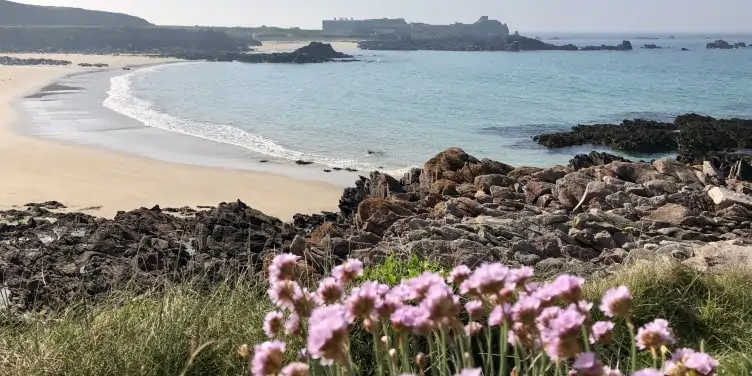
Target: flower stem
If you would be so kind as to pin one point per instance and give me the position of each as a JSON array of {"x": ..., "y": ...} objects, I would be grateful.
[
  {"x": 503, "y": 343},
  {"x": 633, "y": 344}
]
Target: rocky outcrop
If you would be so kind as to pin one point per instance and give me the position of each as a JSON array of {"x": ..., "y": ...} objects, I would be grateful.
[
  {"x": 693, "y": 137},
  {"x": 17, "y": 14},
  {"x": 8, "y": 60},
  {"x": 315, "y": 52},
  {"x": 623, "y": 46},
  {"x": 456, "y": 209},
  {"x": 719, "y": 44}
]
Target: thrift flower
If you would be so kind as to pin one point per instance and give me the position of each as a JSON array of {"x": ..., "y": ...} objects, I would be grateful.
[
  {"x": 348, "y": 271},
  {"x": 689, "y": 360},
  {"x": 474, "y": 309},
  {"x": 364, "y": 300},
  {"x": 328, "y": 334},
  {"x": 292, "y": 326},
  {"x": 648, "y": 372},
  {"x": 459, "y": 274},
  {"x": 617, "y": 302},
  {"x": 607, "y": 371},
  {"x": 419, "y": 286},
  {"x": 518, "y": 277},
  {"x": 499, "y": 315},
  {"x": 470, "y": 372},
  {"x": 267, "y": 358},
  {"x": 487, "y": 279},
  {"x": 473, "y": 328},
  {"x": 283, "y": 293},
  {"x": 329, "y": 292},
  {"x": 602, "y": 332},
  {"x": 560, "y": 339},
  {"x": 654, "y": 335},
  {"x": 588, "y": 365},
  {"x": 304, "y": 303},
  {"x": 273, "y": 323},
  {"x": 567, "y": 288},
  {"x": 441, "y": 304},
  {"x": 295, "y": 369},
  {"x": 526, "y": 309},
  {"x": 282, "y": 267},
  {"x": 411, "y": 319}
]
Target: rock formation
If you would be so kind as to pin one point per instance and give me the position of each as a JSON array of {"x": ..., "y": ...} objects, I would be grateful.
[
  {"x": 314, "y": 52},
  {"x": 587, "y": 220}
]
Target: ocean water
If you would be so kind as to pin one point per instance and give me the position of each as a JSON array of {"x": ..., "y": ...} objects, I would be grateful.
[{"x": 394, "y": 110}]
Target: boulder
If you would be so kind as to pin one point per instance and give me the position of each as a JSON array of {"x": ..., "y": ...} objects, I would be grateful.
[
  {"x": 459, "y": 207},
  {"x": 570, "y": 189},
  {"x": 658, "y": 187},
  {"x": 594, "y": 158},
  {"x": 635, "y": 172},
  {"x": 670, "y": 166},
  {"x": 534, "y": 189},
  {"x": 741, "y": 171},
  {"x": 485, "y": 182},
  {"x": 670, "y": 213},
  {"x": 456, "y": 165},
  {"x": 444, "y": 187},
  {"x": 523, "y": 172},
  {"x": 383, "y": 185},
  {"x": 594, "y": 189},
  {"x": 551, "y": 175},
  {"x": 724, "y": 198},
  {"x": 715, "y": 257}
]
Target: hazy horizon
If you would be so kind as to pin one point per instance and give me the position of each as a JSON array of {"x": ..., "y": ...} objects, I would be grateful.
[{"x": 528, "y": 16}]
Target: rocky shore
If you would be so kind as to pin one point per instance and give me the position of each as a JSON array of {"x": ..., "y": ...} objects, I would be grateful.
[
  {"x": 8, "y": 60},
  {"x": 315, "y": 52},
  {"x": 693, "y": 137},
  {"x": 513, "y": 43},
  {"x": 586, "y": 218}
]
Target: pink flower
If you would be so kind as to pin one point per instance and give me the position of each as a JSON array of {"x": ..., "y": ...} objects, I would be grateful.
[
  {"x": 304, "y": 303},
  {"x": 284, "y": 293},
  {"x": 567, "y": 288},
  {"x": 267, "y": 358},
  {"x": 607, "y": 371},
  {"x": 617, "y": 302},
  {"x": 459, "y": 274},
  {"x": 348, "y": 271},
  {"x": 473, "y": 328},
  {"x": 560, "y": 339},
  {"x": 273, "y": 323},
  {"x": 499, "y": 315},
  {"x": 364, "y": 301},
  {"x": 654, "y": 335},
  {"x": 328, "y": 330},
  {"x": 701, "y": 363},
  {"x": 648, "y": 372},
  {"x": 519, "y": 276},
  {"x": 526, "y": 309},
  {"x": 487, "y": 279},
  {"x": 419, "y": 286},
  {"x": 474, "y": 309},
  {"x": 602, "y": 332},
  {"x": 282, "y": 267},
  {"x": 441, "y": 303},
  {"x": 329, "y": 291},
  {"x": 295, "y": 369},
  {"x": 410, "y": 319},
  {"x": 588, "y": 365},
  {"x": 292, "y": 326},
  {"x": 470, "y": 372}
]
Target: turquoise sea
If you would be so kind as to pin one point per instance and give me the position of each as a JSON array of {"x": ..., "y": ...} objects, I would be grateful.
[{"x": 394, "y": 110}]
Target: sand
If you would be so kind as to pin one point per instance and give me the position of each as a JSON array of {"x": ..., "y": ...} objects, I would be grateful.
[{"x": 102, "y": 182}]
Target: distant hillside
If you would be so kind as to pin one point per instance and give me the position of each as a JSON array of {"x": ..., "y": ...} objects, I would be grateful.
[{"x": 34, "y": 15}]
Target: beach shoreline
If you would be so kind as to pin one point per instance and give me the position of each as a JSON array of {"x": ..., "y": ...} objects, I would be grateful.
[{"x": 87, "y": 178}]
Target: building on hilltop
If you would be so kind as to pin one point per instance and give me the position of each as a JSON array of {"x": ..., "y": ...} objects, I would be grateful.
[
  {"x": 483, "y": 28},
  {"x": 341, "y": 26},
  {"x": 399, "y": 28}
]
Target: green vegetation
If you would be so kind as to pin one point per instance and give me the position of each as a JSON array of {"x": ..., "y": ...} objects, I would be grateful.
[
  {"x": 394, "y": 269},
  {"x": 186, "y": 330}
]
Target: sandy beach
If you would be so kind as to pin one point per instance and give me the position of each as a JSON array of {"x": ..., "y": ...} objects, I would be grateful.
[{"x": 102, "y": 182}]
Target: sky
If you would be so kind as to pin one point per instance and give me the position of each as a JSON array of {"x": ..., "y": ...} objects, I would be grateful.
[{"x": 730, "y": 16}]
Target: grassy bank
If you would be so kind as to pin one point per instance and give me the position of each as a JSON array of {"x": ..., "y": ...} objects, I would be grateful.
[{"x": 194, "y": 332}]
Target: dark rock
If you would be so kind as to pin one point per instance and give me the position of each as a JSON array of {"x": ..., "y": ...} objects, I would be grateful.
[
  {"x": 594, "y": 158},
  {"x": 302, "y": 162}
]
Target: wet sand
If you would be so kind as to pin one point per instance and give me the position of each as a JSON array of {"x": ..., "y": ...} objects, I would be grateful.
[{"x": 103, "y": 182}]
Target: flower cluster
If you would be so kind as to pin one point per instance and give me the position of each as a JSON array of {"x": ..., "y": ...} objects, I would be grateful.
[{"x": 550, "y": 318}]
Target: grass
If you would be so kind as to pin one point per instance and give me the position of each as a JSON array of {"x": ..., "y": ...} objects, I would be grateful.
[{"x": 161, "y": 335}]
